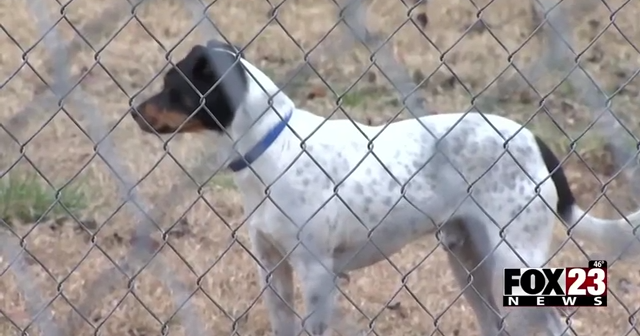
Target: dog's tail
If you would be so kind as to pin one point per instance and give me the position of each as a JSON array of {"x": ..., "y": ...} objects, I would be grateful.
[{"x": 616, "y": 235}]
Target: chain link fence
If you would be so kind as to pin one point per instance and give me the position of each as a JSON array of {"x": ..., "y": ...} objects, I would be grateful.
[{"x": 100, "y": 236}]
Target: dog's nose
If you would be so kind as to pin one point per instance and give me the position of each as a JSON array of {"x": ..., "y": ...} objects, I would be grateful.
[
  {"x": 137, "y": 113},
  {"x": 141, "y": 116},
  {"x": 136, "y": 110}
]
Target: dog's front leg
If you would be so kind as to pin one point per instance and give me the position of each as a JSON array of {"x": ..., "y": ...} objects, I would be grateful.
[
  {"x": 318, "y": 286},
  {"x": 277, "y": 277}
]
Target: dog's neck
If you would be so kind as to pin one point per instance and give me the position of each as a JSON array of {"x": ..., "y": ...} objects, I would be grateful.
[{"x": 263, "y": 108}]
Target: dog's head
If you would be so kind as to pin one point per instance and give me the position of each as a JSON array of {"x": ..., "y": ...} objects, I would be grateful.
[{"x": 202, "y": 92}]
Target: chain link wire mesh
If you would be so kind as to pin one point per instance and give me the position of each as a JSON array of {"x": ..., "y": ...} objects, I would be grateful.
[{"x": 61, "y": 91}]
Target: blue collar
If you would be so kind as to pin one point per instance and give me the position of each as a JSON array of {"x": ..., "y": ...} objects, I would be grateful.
[{"x": 261, "y": 147}]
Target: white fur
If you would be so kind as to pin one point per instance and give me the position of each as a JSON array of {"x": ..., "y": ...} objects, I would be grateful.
[{"x": 328, "y": 205}]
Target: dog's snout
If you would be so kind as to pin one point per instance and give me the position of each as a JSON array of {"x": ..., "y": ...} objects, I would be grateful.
[
  {"x": 141, "y": 117},
  {"x": 136, "y": 111}
]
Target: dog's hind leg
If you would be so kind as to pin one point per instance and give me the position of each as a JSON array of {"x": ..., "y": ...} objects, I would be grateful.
[
  {"x": 474, "y": 275},
  {"x": 549, "y": 318},
  {"x": 276, "y": 275},
  {"x": 523, "y": 319}
]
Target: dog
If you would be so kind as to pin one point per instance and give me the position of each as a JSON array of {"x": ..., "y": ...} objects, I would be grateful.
[{"x": 325, "y": 197}]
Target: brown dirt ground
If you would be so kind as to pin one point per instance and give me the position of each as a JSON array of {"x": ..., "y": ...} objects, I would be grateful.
[{"x": 429, "y": 301}]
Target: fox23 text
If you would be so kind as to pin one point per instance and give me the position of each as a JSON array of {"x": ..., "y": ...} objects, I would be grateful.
[
  {"x": 556, "y": 287},
  {"x": 554, "y": 301}
]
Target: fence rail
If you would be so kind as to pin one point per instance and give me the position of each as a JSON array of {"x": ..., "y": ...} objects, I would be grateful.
[{"x": 553, "y": 32}]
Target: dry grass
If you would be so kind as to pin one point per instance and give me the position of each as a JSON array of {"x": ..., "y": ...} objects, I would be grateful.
[{"x": 428, "y": 301}]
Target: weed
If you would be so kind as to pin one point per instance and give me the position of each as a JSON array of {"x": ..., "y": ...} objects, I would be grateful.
[
  {"x": 25, "y": 198},
  {"x": 224, "y": 180},
  {"x": 353, "y": 99},
  {"x": 565, "y": 90}
]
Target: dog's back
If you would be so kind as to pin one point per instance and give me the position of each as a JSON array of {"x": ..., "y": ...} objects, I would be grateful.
[{"x": 392, "y": 178}]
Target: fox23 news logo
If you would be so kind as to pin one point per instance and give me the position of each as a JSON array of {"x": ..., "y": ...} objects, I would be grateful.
[{"x": 556, "y": 287}]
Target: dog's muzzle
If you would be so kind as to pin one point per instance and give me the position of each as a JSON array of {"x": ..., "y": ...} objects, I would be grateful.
[{"x": 138, "y": 116}]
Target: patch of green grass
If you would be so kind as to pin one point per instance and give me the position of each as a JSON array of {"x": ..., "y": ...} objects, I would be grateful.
[
  {"x": 565, "y": 89},
  {"x": 26, "y": 198},
  {"x": 354, "y": 98},
  {"x": 224, "y": 180}
]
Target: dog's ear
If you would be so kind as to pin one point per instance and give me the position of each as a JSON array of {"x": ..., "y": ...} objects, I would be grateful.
[{"x": 202, "y": 67}]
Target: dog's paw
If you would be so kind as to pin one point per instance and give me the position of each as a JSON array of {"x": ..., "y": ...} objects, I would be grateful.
[{"x": 316, "y": 328}]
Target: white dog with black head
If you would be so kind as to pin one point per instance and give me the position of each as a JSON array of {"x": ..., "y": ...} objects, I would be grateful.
[{"x": 328, "y": 197}]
